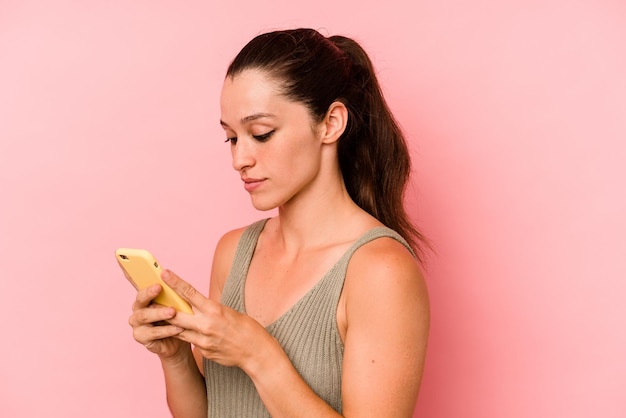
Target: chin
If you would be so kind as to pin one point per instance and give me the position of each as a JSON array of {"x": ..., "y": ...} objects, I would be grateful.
[{"x": 263, "y": 205}]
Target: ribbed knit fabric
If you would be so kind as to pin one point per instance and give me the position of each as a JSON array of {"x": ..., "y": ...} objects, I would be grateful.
[{"x": 307, "y": 332}]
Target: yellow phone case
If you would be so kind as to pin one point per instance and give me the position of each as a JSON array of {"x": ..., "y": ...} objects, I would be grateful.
[{"x": 142, "y": 270}]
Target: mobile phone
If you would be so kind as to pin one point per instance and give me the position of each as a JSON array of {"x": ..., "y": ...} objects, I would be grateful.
[{"x": 142, "y": 270}]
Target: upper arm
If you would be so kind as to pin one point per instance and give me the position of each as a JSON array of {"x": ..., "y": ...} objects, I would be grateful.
[
  {"x": 387, "y": 320},
  {"x": 222, "y": 261}
]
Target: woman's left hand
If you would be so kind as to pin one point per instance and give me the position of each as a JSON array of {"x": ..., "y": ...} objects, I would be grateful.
[{"x": 219, "y": 333}]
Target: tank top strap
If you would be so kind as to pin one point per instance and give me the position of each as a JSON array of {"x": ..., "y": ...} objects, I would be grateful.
[
  {"x": 246, "y": 246},
  {"x": 233, "y": 292},
  {"x": 369, "y": 236}
]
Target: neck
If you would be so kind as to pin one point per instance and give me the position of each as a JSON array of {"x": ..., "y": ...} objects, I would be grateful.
[{"x": 317, "y": 218}]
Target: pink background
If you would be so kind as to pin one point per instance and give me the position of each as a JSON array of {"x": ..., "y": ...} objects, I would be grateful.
[{"x": 516, "y": 112}]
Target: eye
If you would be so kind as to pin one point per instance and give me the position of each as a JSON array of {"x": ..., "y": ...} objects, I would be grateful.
[
  {"x": 232, "y": 140},
  {"x": 264, "y": 137}
]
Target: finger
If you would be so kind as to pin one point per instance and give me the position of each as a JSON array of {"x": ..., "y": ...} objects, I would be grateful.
[
  {"x": 147, "y": 335},
  {"x": 145, "y": 296},
  {"x": 164, "y": 331},
  {"x": 204, "y": 323},
  {"x": 191, "y": 336},
  {"x": 184, "y": 289},
  {"x": 151, "y": 315}
]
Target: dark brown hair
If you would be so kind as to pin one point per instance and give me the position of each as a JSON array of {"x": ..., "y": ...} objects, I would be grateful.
[{"x": 318, "y": 71}]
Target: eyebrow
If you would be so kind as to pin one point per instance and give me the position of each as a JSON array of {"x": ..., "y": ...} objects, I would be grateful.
[{"x": 251, "y": 118}]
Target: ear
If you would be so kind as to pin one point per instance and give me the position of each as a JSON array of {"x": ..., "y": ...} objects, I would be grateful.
[{"x": 334, "y": 123}]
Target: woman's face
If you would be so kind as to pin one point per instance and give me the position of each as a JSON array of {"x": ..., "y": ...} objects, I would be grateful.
[{"x": 273, "y": 140}]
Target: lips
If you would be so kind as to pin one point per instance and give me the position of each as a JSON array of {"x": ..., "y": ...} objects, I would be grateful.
[{"x": 251, "y": 184}]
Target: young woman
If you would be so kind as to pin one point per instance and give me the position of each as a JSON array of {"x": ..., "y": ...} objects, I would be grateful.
[{"x": 322, "y": 310}]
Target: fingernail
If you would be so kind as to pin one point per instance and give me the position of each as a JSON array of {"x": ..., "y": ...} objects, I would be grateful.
[{"x": 165, "y": 274}]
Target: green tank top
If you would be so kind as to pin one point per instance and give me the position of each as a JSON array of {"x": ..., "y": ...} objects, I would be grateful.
[{"x": 307, "y": 332}]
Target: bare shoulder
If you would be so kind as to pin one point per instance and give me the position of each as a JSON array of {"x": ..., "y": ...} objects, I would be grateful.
[
  {"x": 384, "y": 276},
  {"x": 384, "y": 261},
  {"x": 228, "y": 242},
  {"x": 222, "y": 261}
]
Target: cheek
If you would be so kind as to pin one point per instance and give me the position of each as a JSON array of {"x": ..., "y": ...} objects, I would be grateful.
[
  {"x": 304, "y": 163},
  {"x": 296, "y": 153}
]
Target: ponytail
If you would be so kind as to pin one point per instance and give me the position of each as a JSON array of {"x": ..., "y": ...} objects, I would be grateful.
[{"x": 373, "y": 153}]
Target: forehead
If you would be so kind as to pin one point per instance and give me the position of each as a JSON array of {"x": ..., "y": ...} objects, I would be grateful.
[
  {"x": 249, "y": 91},
  {"x": 253, "y": 92}
]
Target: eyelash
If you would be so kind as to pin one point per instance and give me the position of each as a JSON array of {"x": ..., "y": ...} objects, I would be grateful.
[
  {"x": 264, "y": 137},
  {"x": 260, "y": 138}
]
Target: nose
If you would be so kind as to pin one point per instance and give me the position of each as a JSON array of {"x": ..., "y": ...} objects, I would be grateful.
[{"x": 242, "y": 154}]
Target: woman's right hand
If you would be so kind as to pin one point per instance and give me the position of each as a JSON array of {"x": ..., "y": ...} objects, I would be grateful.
[{"x": 150, "y": 326}]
